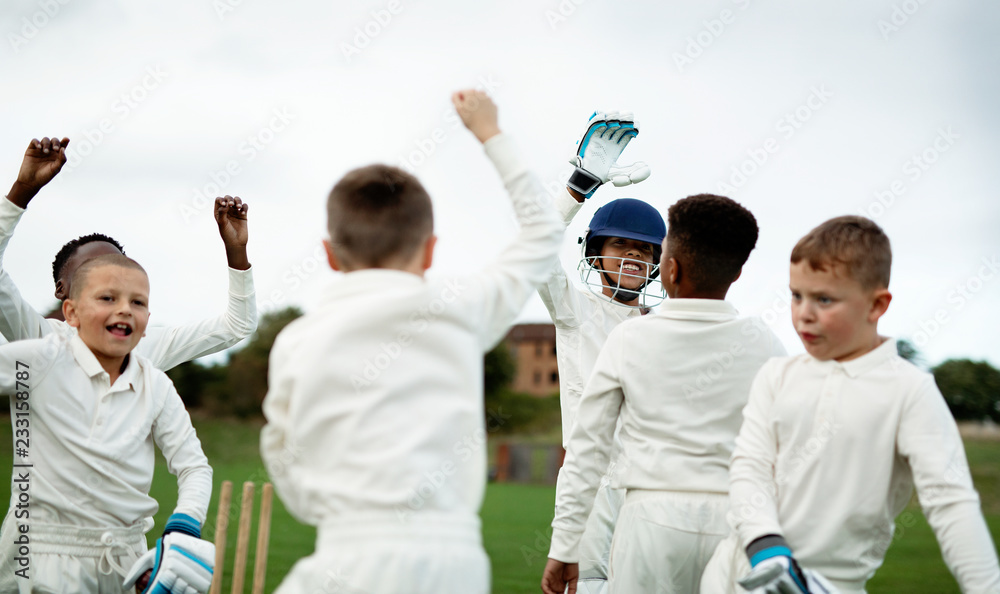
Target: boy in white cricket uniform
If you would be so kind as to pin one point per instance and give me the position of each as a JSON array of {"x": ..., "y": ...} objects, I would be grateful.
[
  {"x": 86, "y": 412},
  {"x": 676, "y": 381},
  {"x": 620, "y": 253},
  {"x": 165, "y": 347},
  {"x": 834, "y": 441},
  {"x": 375, "y": 414}
]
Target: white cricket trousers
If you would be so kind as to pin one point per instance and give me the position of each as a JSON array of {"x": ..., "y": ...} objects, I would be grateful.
[
  {"x": 664, "y": 540},
  {"x": 595, "y": 544},
  {"x": 65, "y": 558},
  {"x": 384, "y": 553},
  {"x": 730, "y": 563}
]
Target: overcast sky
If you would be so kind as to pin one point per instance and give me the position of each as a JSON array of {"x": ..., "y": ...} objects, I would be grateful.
[{"x": 800, "y": 111}]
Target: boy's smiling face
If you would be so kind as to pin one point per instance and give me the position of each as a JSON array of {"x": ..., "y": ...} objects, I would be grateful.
[
  {"x": 110, "y": 312},
  {"x": 627, "y": 261},
  {"x": 834, "y": 316}
]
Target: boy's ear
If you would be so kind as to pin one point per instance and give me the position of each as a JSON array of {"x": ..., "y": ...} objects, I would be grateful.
[
  {"x": 61, "y": 293},
  {"x": 880, "y": 303},
  {"x": 673, "y": 271},
  {"x": 331, "y": 258},
  {"x": 69, "y": 313},
  {"x": 738, "y": 275},
  {"x": 429, "y": 252}
]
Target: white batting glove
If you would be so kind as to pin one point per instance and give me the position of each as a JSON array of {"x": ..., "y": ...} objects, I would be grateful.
[
  {"x": 182, "y": 563},
  {"x": 782, "y": 575},
  {"x": 597, "y": 152}
]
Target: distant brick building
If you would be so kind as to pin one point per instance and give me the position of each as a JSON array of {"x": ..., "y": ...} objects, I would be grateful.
[{"x": 533, "y": 349}]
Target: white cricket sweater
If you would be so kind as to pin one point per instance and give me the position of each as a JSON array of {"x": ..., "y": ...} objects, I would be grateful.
[
  {"x": 375, "y": 399},
  {"x": 676, "y": 380},
  {"x": 828, "y": 456}
]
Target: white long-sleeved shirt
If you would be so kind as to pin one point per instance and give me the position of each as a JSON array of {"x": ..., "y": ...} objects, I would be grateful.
[
  {"x": 828, "y": 456},
  {"x": 583, "y": 321},
  {"x": 89, "y": 442},
  {"x": 676, "y": 380},
  {"x": 375, "y": 399},
  {"x": 165, "y": 347}
]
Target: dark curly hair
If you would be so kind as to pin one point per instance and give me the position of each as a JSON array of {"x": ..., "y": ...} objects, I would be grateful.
[
  {"x": 712, "y": 237},
  {"x": 67, "y": 251}
]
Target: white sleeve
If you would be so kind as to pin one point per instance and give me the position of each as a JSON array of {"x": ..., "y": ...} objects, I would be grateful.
[
  {"x": 589, "y": 450},
  {"x": 168, "y": 347},
  {"x": 752, "y": 488},
  {"x": 499, "y": 292},
  {"x": 18, "y": 320},
  {"x": 176, "y": 438},
  {"x": 557, "y": 293},
  {"x": 31, "y": 358},
  {"x": 929, "y": 441},
  {"x": 276, "y": 447}
]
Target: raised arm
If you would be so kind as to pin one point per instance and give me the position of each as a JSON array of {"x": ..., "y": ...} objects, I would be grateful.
[
  {"x": 595, "y": 157},
  {"x": 43, "y": 159},
  {"x": 929, "y": 440},
  {"x": 168, "y": 347},
  {"x": 500, "y": 291},
  {"x": 557, "y": 292}
]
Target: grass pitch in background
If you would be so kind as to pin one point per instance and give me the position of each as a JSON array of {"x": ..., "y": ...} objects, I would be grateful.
[{"x": 516, "y": 518}]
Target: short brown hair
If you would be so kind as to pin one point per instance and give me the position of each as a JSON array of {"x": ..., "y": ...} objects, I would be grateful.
[
  {"x": 80, "y": 275},
  {"x": 377, "y": 215},
  {"x": 856, "y": 242}
]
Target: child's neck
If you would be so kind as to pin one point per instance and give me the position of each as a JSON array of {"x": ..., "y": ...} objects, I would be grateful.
[{"x": 114, "y": 366}]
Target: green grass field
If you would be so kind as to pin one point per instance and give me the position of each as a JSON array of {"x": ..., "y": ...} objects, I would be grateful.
[{"x": 516, "y": 518}]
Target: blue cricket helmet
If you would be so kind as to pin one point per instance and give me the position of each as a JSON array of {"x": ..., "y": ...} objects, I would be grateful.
[{"x": 627, "y": 218}]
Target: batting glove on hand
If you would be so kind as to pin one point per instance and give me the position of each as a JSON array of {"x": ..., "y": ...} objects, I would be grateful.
[
  {"x": 181, "y": 563},
  {"x": 597, "y": 152},
  {"x": 775, "y": 571}
]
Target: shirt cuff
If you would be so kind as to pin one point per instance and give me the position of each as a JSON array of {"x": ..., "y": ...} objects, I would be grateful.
[
  {"x": 565, "y": 546},
  {"x": 10, "y": 213},
  {"x": 567, "y": 206},
  {"x": 241, "y": 282}
]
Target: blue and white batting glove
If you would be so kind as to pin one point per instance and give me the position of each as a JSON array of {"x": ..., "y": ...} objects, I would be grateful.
[
  {"x": 775, "y": 571},
  {"x": 597, "y": 152},
  {"x": 182, "y": 562}
]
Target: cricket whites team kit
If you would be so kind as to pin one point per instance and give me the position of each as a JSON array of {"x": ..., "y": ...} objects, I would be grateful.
[
  {"x": 675, "y": 382},
  {"x": 91, "y": 455},
  {"x": 583, "y": 319},
  {"x": 165, "y": 346},
  {"x": 868, "y": 430},
  {"x": 375, "y": 411},
  {"x": 88, "y": 466},
  {"x": 698, "y": 456}
]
